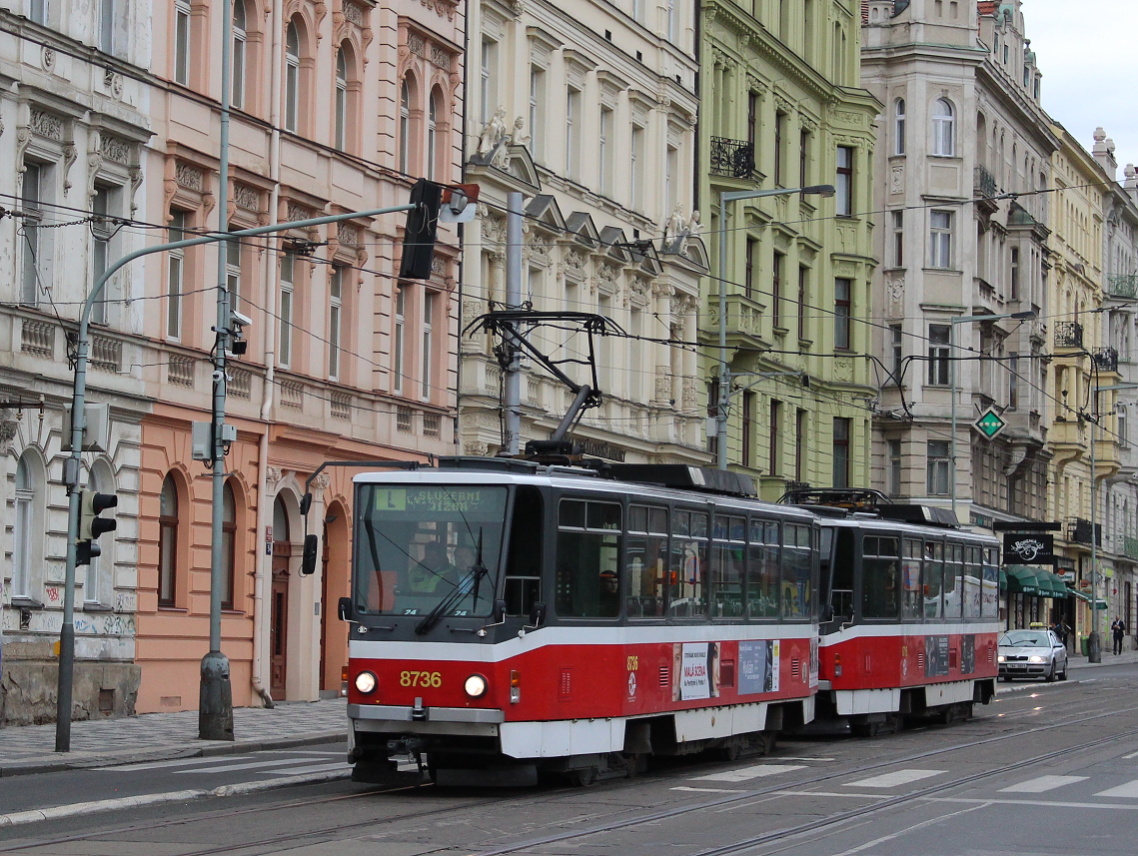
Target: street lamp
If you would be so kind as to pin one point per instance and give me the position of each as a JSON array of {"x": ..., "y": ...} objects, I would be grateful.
[
  {"x": 1094, "y": 643},
  {"x": 968, "y": 319},
  {"x": 824, "y": 190}
]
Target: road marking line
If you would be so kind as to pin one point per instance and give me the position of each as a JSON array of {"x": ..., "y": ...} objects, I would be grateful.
[
  {"x": 1128, "y": 791},
  {"x": 317, "y": 768},
  {"x": 185, "y": 762},
  {"x": 892, "y": 780},
  {"x": 745, "y": 773},
  {"x": 1042, "y": 783},
  {"x": 252, "y": 765},
  {"x": 710, "y": 790}
]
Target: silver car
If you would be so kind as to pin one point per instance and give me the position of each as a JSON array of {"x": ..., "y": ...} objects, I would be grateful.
[{"x": 1032, "y": 654}]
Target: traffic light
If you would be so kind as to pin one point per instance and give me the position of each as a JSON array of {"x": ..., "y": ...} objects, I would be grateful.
[
  {"x": 422, "y": 226},
  {"x": 91, "y": 525}
]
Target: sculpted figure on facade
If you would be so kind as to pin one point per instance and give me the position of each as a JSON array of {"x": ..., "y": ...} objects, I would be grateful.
[{"x": 492, "y": 136}]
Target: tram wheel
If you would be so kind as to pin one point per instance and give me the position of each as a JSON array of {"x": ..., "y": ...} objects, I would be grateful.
[{"x": 583, "y": 777}]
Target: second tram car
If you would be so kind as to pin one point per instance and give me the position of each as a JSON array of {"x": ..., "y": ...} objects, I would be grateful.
[{"x": 909, "y": 613}]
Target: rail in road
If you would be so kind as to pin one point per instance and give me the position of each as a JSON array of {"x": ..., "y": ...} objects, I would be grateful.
[{"x": 1038, "y": 730}]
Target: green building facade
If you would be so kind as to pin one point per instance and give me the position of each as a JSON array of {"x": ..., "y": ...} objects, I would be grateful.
[{"x": 782, "y": 108}]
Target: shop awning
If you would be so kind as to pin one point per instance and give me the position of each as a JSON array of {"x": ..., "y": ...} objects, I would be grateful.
[
  {"x": 1022, "y": 580},
  {"x": 1055, "y": 587},
  {"x": 1086, "y": 598}
]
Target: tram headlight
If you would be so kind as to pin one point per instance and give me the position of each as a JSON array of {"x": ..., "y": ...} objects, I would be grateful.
[
  {"x": 475, "y": 686},
  {"x": 366, "y": 682}
]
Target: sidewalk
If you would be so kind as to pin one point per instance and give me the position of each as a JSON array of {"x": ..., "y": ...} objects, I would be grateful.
[{"x": 161, "y": 736}]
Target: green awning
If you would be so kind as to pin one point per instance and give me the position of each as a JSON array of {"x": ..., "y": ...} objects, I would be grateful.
[
  {"x": 1055, "y": 587},
  {"x": 1086, "y": 598},
  {"x": 1022, "y": 579}
]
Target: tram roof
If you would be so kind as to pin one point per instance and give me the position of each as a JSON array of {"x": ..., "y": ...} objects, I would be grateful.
[{"x": 671, "y": 481}]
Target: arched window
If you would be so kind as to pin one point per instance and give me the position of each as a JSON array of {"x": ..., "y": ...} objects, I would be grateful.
[
  {"x": 944, "y": 129},
  {"x": 404, "y": 127},
  {"x": 228, "y": 546},
  {"x": 433, "y": 113},
  {"x": 237, "y": 95},
  {"x": 168, "y": 543},
  {"x": 292, "y": 78},
  {"x": 899, "y": 126},
  {"x": 341, "y": 130},
  {"x": 24, "y": 525}
]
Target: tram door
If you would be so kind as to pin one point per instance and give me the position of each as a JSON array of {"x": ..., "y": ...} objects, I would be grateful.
[{"x": 278, "y": 620}]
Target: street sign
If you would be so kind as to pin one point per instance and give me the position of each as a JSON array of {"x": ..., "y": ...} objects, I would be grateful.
[{"x": 990, "y": 423}]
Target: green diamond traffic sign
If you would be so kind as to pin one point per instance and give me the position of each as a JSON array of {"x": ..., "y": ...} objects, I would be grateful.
[{"x": 990, "y": 423}]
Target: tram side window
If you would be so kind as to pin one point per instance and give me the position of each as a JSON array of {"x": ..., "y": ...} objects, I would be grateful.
[
  {"x": 990, "y": 597},
  {"x": 588, "y": 548},
  {"x": 973, "y": 581},
  {"x": 881, "y": 577},
  {"x": 842, "y": 574},
  {"x": 912, "y": 601},
  {"x": 934, "y": 569},
  {"x": 763, "y": 570},
  {"x": 524, "y": 560},
  {"x": 646, "y": 561},
  {"x": 953, "y": 583},
  {"x": 688, "y": 596},
  {"x": 797, "y": 589},
  {"x": 728, "y": 557}
]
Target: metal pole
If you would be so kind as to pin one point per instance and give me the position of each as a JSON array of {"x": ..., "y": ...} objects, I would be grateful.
[
  {"x": 72, "y": 465},
  {"x": 215, "y": 698},
  {"x": 724, "y": 371},
  {"x": 513, "y": 380},
  {"x": 952, "y": 393},
  {"x": 1094, "y": 641}
]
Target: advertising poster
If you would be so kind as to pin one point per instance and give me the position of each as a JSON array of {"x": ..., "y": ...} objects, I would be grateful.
[
  {"x": 695, "y": 670},
  {"x": 967, "y": 655},
  {"x": 757, "y": 667},
  {"x": 936, "y": 656}
]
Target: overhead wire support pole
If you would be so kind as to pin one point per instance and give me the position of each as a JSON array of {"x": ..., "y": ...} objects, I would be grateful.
[
  {"x": 215, "y": 698},
  {"x": 513, "y": 358},
  {"x": 73, "y": 464}
]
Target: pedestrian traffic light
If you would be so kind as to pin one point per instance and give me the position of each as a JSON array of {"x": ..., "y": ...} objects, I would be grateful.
[
  {"x": 91, "y": 525},
  {"x": 422, "y": 226}
]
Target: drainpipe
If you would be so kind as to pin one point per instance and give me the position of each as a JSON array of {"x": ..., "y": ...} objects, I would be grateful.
[{"x": 264, "y": 564}]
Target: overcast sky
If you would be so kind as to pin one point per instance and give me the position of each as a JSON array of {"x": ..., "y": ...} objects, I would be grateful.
[{"x": 1088, "y": 53}]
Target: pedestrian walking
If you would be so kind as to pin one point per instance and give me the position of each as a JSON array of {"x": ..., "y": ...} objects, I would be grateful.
[{"x": 1118, "y": 630}]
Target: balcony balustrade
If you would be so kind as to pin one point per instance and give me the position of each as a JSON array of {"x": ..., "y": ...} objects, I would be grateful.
[
  {"x": 1123, "y": 285},
  {"x": 1106, "y": 359},
  {"x": 732, "y": 158},
  {"x": 983, "y": 182},
  {"x": 1079, "y": 531},
  {"x": 1068, "y": 334}
]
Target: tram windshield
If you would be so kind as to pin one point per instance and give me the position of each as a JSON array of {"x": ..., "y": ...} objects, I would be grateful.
[{"x": 427, "y": 550}]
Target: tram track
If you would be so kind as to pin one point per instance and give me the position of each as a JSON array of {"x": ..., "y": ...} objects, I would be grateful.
[{"x": 436, "y": 812}]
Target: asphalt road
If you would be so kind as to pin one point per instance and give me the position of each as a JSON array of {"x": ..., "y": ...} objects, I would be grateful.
[{"x": 1045, "y": 769}]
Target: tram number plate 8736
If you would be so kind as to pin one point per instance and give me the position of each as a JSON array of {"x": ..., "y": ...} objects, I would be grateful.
[{"x": 420, "y": 679}]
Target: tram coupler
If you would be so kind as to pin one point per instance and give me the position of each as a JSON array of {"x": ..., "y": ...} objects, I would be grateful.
[{"x": 406, "y": 746}]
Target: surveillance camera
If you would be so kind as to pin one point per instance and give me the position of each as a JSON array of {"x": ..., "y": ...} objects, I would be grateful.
[
  {"x": 242, "y": 320},
  {"x": 217, "y": 377}
]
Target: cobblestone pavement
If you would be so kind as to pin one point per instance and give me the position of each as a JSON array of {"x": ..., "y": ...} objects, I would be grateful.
[{"x": 152, "y": 736}]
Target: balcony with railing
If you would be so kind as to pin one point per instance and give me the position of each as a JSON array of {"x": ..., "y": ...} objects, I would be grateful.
[
  {"x": 732, "y": 158},
  {"x": 1079, "y": 531},
  {"x": 1068, "y": 334},
  {"x": 1106, "y": 359},
  {"x": 1129, "y": 547},
  {"x": 984, "y": 187},
  {"x": 1123, "y": 285}
]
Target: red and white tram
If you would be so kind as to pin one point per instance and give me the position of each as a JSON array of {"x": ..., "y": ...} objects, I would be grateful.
[
  {"x": 510, "y": 618},
  {"x": 910, "y": 613}
]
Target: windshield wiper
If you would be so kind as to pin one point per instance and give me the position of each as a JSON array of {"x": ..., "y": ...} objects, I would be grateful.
[{"x": 465, "y": 585}]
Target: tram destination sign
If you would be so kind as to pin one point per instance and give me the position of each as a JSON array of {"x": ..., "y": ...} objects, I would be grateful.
[{"x": 1029, "y": 548}]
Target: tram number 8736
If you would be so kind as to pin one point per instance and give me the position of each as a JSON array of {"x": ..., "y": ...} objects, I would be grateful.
[{"x": 420, "y": 679}]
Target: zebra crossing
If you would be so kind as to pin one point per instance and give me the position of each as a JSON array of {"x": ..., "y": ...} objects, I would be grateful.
[
  {"x": 293, "y": 763},
  {"x": 898, "y": 780}
]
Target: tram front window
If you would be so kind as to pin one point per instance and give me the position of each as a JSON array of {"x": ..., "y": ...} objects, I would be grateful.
[{"x": 422, "y": 549}]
